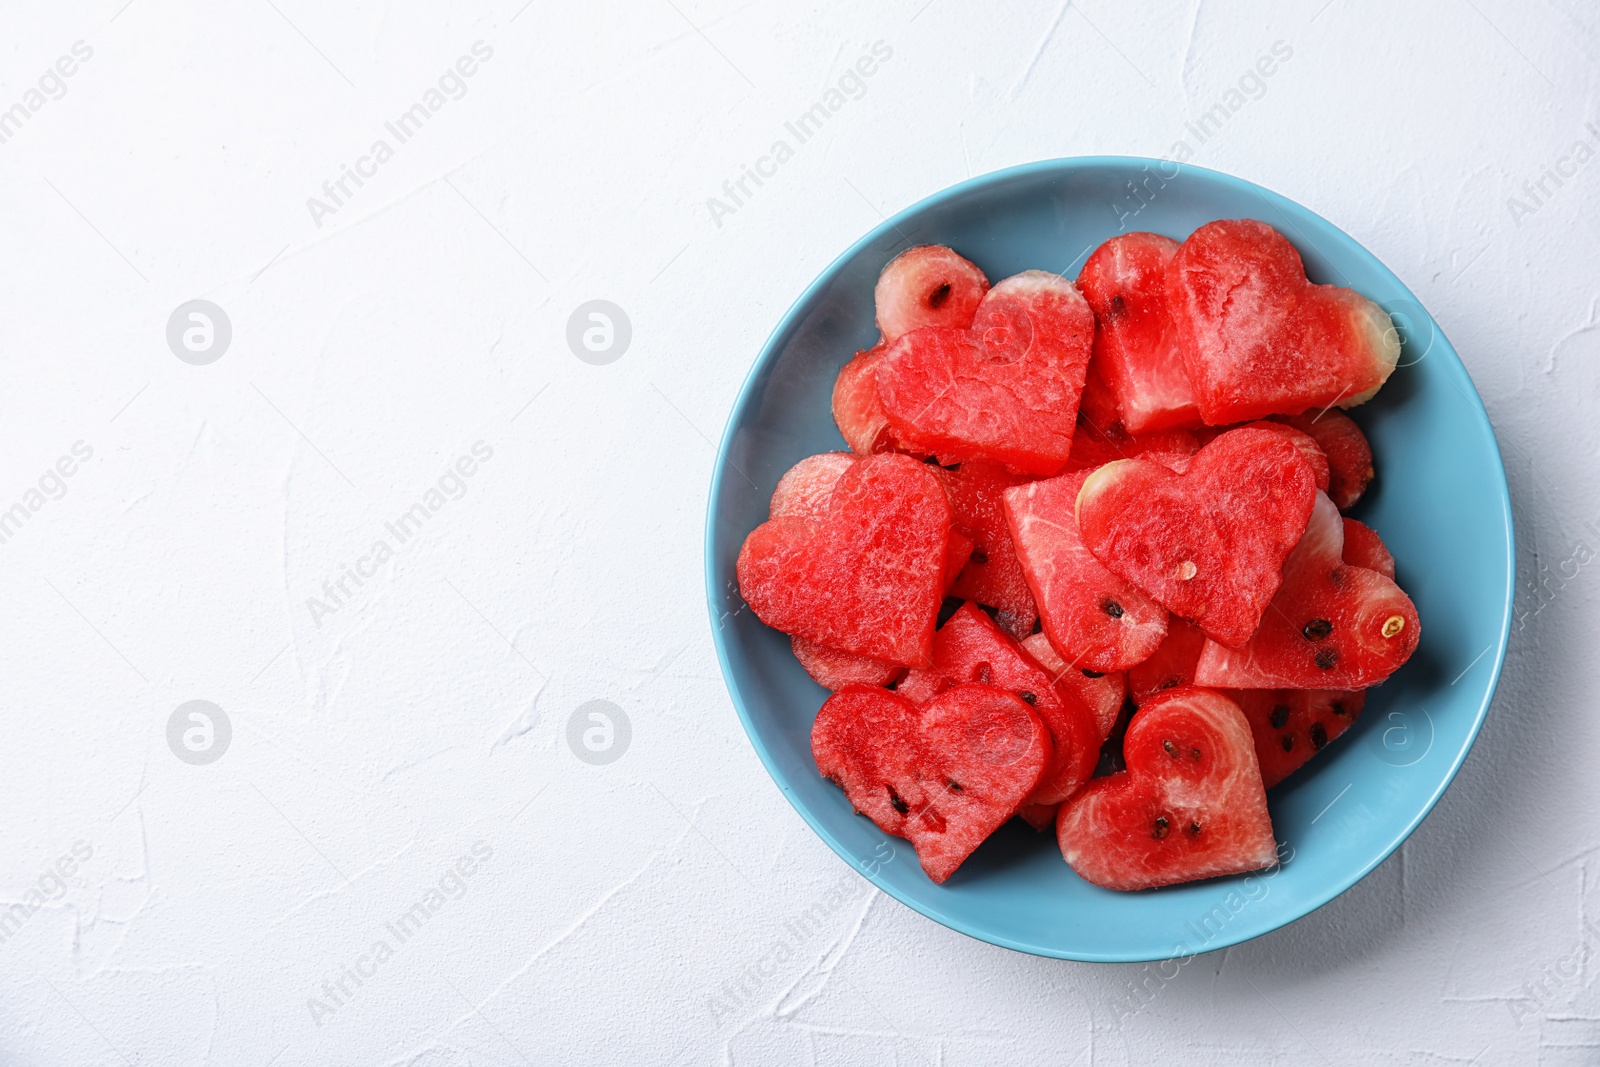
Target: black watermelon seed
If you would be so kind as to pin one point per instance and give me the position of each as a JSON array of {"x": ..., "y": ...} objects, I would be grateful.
[
  {"x": 1194, "y": 753},
  {"x": 1339, "y": 709},
  {"x": 979, "y": 556},
  {"x": 955, "y": 786},
  {"x": 1326, "y": 658},
  {"x": 1171, "y": 749},
  {"x": 1317, "y": 629},
  {"x": 1159, "y": 830},
  {"x": 937, "y": 298},
  {"x": 1319, "y": 735},
  {"x": 1288, "y": 742},
  {"x": 1279, "y": 716},
  {"x": 1029, "y": 697},
  {"x": 1194, "y": 829},
  {"x": 1118, "y": 307},
  {"x": 1111, "y": 607},
  {"x": 895, "y": 802},
  {"x": 1087, "y": 673}
]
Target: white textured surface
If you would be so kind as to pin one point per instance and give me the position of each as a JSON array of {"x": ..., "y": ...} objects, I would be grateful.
[{"x": 657, "y": 907}]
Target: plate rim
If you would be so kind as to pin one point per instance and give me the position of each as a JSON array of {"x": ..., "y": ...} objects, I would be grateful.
[{"x": 743, "y": 399}]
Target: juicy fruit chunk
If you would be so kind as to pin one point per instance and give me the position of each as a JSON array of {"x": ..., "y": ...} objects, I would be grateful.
[
  {"x": 866, "y": 579},
  {"x": 1006, "y": 389},
  {"x": 856, "y": 408},
  {"x": 834, "y": 670},
  {"x": 944, "y": 776},
  {"x": 1331, "y": 625},
  {"x": 1364, "y": 548},
  {"x": 1104, "y": 693},
  {"x": 1135, "y": 342},
  {"x": 1305, "y": 443},
  {"x": 1208, "y": 544},
  {"x": 1094, "y": 447},
  {"x": 1189, "y": 805},
  {"x": 1349, "y": 454},
  {"x": 992, "y": 575},
  {"x": 805, "y": 489},
  {"x": 1171, "y": 665},
  {"x": 1292, "y": 725},
  {"x": 969, "y": 647},
  {"x": 1093, "y": 618},
  {"x": 929, "y": 285},
  {"x": 1259, "y": 339}
]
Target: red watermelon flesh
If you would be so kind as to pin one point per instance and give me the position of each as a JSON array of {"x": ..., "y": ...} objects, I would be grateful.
[
  {"x": 1259, "y": 339},
  {"x": 867, "y": 579},
  {"x": 958, "y": 550},
  {"x": 1006, "y": 389},
  {"x": 944, "y": 776},
  {"x": 1364, "y": 548},
  {"x": 1292, "y": 725},
  {"x": 833, "y": 669},
  {"x": 1104, "y": 693},
  {"x": 969, "y": 647},
  {"x": 1208, "y": 544},
  {"x": 857, "y": 410},
  {"x": 1042, "y": 817},
  {"x": 1304, "y": 442},
  {"x": 992, "y": 575},
  {"x": 1094, "y": 447},
  {"x": 929, "y": 285},
  {"x": 1094, "y": 618},
  {"x": 1135, "y": 342},
  {"x": 1349, "y": 454},
  {"x": 1170, "y": 665},
  {"x": 1331, "y": 625},
  {"x": 805, "y": 489},
  {"x": 1189, "y": 805}
]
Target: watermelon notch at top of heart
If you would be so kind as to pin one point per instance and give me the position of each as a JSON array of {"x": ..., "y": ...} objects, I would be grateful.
[{"x": 1258, "y": 338}]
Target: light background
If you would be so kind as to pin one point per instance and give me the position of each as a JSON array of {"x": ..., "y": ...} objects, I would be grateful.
[{"x": 669, "y": 905}]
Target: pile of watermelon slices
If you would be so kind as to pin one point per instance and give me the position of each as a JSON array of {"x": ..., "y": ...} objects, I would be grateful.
[{"x": 1085, "y": 563}]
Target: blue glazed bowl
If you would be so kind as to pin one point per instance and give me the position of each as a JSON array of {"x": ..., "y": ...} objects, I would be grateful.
[{"x": 1440, "y": 503}]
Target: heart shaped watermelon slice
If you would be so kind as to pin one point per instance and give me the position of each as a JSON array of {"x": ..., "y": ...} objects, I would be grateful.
[
  {"x": 1135, "y": 342},
  {"x": 969, "y": 647},
  {"x": 1093, "y": 618},
  {"x": 1259, "y": 339},
  {"x": 1007, "y": 389},
  {"x": 1189, "y": 805},
  {"x": 866, "y": 579},
  {"x": 1208, "y": 544},
  {"x": 944, "y": 776},
  {"x": 1331, "y": 625}
]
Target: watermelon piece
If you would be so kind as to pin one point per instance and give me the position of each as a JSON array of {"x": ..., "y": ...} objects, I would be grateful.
[
  {"x": 1042, "y": 817},
  {"x": 1006, "y": 389},
  {"x": 1349, "y": 454},
  {"x": 1093, "y": 618},
  {"x": 1171, "y": 665},
  {"x": 1135, "y": 342},
  {"x": 970, "y": 647},
  {"x": 1292, "y": 725},
  {"x": 1103, "y": 693},
  {"x": 1208, "y": 544},
  {"x": 992, "y": 576},
  {"x": 944, "y": 776},
  {"x": 866, "y": 579},
  {"x": 1305, "y": 443},
  {"x": 1364, "y": 548},
  {"x": 1331, "y": 625},
  {"x": 1259, "y": 339},
  {"x": 834, "y": 670},
  {"x": 958, "y": 550},
  {"x": 857, "y": 410},
  {"x": 805, "y": 489},
  {"x": 929, "y": 285},
  {"x": 1189, "y": 805},
  {"x": 1094, "y": 447}
]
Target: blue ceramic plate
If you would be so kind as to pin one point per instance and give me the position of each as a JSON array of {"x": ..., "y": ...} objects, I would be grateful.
[{"x": 1440, "y": 503}]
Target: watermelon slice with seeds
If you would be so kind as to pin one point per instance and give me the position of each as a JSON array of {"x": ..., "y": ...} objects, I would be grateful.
[
  {"x": 1135, "y": 342},
  {"x": 1189, "y": 804},
  {"x": 1292, "y": 725},
  {"x": 1006, "y": 389},
  {"x": 1331, "y": 625},
  {"x": 1207, "y": 544},
  {"x": 1104, "y": 693},
  {"x": 1259, "y": 339},
  {"x": 992, "y": 576},
  {"x": 1094, "y": 618},
  {"x": 970, "y": 647},
  {"x": 1349, "y": 454},
  {"x": 944, "y": 776},
  {"x": 929, "y": 285},
  {"x": 866, "y": 579}
]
